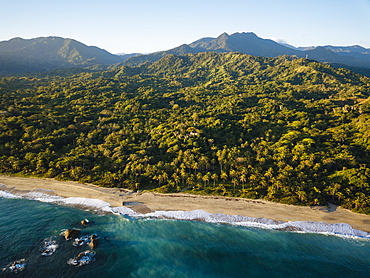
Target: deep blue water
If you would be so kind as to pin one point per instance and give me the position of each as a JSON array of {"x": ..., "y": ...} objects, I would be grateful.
[{"x": 130, "y": 247}]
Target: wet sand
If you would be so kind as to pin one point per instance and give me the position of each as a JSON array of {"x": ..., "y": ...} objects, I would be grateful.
[{"x": 149, "y": 201}]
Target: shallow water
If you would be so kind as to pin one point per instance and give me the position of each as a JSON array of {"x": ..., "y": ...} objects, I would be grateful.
[{"x": 141, "y": 247}]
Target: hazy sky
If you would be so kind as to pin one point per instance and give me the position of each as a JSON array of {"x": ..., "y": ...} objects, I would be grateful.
[{"x": 126, "y": 26}]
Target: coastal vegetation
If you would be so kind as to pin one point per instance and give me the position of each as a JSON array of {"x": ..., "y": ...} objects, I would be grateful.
[{"x": 284, "y": 129}]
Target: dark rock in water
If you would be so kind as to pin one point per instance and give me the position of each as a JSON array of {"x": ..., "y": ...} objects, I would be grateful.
[
  {"x": 85, "y": 222},
  {"x": 89, "y": 240},
  {"x": 83, "y": 258},
  {"x": 93, "y": 241},
  {"x": 80, "y": 241},
  {"x": 16, "y": 266},
  {"x": 71, "y": 233},
  {"x": 50, "y": 246}
]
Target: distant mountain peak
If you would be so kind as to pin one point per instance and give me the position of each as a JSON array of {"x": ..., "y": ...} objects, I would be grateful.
[
  {"x": 223, "y": 35},
  {"x": 19, "y": 55},
  {"x": 244, "y": 34},
  {"x": 249, "y": 43},
  {"x": 45, "y": 53}
]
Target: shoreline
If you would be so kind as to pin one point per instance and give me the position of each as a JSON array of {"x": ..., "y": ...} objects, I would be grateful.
[{"x": 149, "y": 201}]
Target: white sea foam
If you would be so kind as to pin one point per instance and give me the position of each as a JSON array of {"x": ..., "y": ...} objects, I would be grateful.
[
  {"x": 8, "y": 195},
  {"x": 72, "y": 201},
  {"x": 86, "y": 202},
  {"x": 42, "y": 197},
  {"x": 339, "y": 229},
  {"x": 83, "y": 258},
  {"x": 126, "y": 211},
  {"x": 49, "y": 248}
]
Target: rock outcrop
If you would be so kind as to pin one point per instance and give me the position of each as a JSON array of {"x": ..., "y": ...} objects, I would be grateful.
[
  {"x": 93, "y": 241},
  {"x": 82, "y": 259},
  {"x": 71, "y": 233}
]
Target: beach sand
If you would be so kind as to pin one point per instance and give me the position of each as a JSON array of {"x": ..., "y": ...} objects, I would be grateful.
[{"x": 149, "y": 201}]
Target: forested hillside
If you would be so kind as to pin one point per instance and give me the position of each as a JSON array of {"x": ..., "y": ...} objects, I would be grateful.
[
  {"x": 21, "y": 56},
  {"x": 283, "y": 129},
  {"x": 354, "y": 58}
]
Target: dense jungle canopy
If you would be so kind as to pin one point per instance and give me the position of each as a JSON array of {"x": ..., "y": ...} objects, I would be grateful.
[{"x": 283, "y": 129}]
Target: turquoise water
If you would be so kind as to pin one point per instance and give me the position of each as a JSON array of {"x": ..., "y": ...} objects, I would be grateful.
[{"x": 130, "y": 247}]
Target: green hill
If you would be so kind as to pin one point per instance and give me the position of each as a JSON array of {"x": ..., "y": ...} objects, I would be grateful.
[
  {"x": 19, "y": 56},
  {"x": 284, "y": 129}
]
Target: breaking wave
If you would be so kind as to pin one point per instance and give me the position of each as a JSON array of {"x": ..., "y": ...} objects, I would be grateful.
[
  {"x": 95, "y": 204},
  {"x": 338, "y": 229},
  {"x": 5, "y": 194}
]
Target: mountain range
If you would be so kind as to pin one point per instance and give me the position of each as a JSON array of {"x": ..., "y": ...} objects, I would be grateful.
[
  {"x": 21, "y": 56},
  {"x": 355, "y": 58}
]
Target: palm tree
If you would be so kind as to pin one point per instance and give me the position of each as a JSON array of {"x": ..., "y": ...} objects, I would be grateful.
[
  {"x": 176, "y": 178},
  {"x": 157, "y": 177},
  {"x": 205, "y": 178},
  {"x": 190, "y": 180},
  {"x": 235, "y": 182},
  {"x": 302, "y": 196},
  {"x": 182, "y": 173},
  {"x": 195, "y": 166},
  {"x": 214, "y": 177},
  {"x": 223, "y": 176},
  {"x": 163, "y": 176},
  {"x": 243, "y": 179},
  {"x": 340, "y": 196}
]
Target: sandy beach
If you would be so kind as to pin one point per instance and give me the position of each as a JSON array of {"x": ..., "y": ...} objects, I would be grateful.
[{"x": 149, "y": 201}]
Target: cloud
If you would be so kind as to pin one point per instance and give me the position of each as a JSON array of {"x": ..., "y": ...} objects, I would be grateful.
[{"x": 281, "y": 41}]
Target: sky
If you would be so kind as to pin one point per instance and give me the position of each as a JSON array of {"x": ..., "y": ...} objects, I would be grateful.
[{"x": 144, "y": 26}]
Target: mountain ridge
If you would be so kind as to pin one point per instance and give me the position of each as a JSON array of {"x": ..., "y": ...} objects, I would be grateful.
[
  {"x": 42, "y": 54},
  {"x": 249, "y": 43},
  {"x": 46, "y": 53}
]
